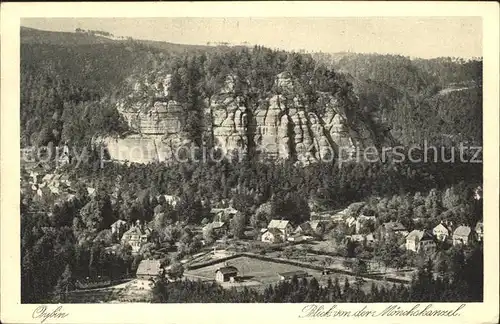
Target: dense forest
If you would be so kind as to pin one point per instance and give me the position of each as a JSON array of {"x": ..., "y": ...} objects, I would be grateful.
[{"x": 439, "y": 100}]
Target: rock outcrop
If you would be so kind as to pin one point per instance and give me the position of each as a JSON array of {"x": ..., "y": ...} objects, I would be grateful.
[{"x": 280, "y": 127}]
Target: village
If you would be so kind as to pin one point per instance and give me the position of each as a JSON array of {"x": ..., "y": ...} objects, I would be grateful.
[{"x": 331, "y": 244}]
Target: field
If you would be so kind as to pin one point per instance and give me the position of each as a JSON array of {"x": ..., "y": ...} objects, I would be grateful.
[
  {"x": 131, "y": 291},
  {"x": 260, "y": 273}
]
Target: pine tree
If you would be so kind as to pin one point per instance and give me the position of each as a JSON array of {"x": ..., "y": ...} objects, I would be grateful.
[{"x": 63, "y": 286}]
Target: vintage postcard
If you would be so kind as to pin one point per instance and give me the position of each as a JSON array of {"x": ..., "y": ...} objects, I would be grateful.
[{"x": 249, "y": 162}]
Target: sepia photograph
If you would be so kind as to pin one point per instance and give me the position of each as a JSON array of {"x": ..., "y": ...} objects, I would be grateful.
[{"x": 245, "y": 159}]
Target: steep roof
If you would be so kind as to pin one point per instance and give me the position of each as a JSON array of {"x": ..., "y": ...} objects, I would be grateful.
[
  {"x": 149, "y": 267},
  {"x": 216, "y": 225},
  {"x": 441, "y": 226},
  {"x": 418, "y": 235},
  {"x": 274, "y": 231},
  {"x": 305, "y": 227},
  {"x": 227, "y": 270},
  {"x": 462, "y": 231},
  {"x": 276, "y": 223},
  {"x": 315, "y": 223},
  {"x": 136, "y": 230},
  {"x": 119, "y": 222},
  {"x": 48, "y": 177}
]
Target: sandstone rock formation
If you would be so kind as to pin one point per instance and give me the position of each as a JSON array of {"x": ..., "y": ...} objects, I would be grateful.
[{"x": 281, "y": 127}]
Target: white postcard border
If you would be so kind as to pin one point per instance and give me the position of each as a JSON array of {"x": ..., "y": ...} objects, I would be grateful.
[{"x": 13, "y": 312}]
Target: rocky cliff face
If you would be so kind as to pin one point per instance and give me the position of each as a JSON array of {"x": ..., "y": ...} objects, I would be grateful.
[{"x": 280, "y": 127}]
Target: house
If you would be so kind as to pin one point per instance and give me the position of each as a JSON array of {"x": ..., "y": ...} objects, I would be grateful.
[
  {"x": 223, "y": 213},
  {"x": 218, "y": 228},
  {"x": 370, "y": 239},
  {"x": 357, "y": 226},
  {"x": 420, "y": 240},
  {"x": 317, "y": 226},
  {"x": 350, "y": 221},
  {"x": 136, "y": 236},
  {"x": 355, "y": 238},
  {"x": 479, "y": 231},
  {"x": 363, "y": 217},
  {"x": 396, "y": 228},
  {"x": 478, "y": 193},
  {"x": 149, "y": 269},
  {"x": 48, "y": 177},
  {"x": 64, "y": 159},
  {"x": 304, "y": 228},
  {"x": 34, "y": 177},
  {"x": 41, "y": 190},
  {"x": 462, "y": 235},
  {"x": 170, "y": 200},
  {"x": 284, "y": 226},
  {"x": 118, "y": 227},
  {"x": 113, "y": 249},
  {"x": 65, "y": 180},
  {"x": 338, "y": 217},
  {"x": 272, "y": 235},
  {"x": 290, "y": 274},
  {"x": 226, "y": 273},
  {"x": 230, "y": 212},
  {"x": 441, "y": 232},
  {"x": 54, "y": 189},
  {"x": 91, "y": 191}
]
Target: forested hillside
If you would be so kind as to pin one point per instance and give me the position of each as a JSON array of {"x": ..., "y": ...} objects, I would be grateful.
[
  {"x": 84, "y": 75},
  {"x": 70, "y": 82},
  {"x": 438, "y": 100}
]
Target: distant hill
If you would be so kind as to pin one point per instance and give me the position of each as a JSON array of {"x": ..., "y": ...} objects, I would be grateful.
[
  {"x": 36, "y": 36},
  {"x": 418, "y": 98}
]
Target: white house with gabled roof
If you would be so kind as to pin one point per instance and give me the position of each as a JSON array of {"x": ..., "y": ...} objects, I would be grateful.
[
  {"x": 441, "y": 232},
  {"x": 284, "y": 226}
]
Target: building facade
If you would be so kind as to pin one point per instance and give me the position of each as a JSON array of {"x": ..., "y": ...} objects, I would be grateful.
[
  {"x": 418, "y": 241},
  {"x": 441, "y": 232},
  {"x": 284, "y": 226},
  {"x": 272, "y": 235},
  {"x": 226, "y": 273},
  {"x": 462, "y": 235}
]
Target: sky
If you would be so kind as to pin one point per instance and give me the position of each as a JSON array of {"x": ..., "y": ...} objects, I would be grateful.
[{"x": 425, "y": 37}]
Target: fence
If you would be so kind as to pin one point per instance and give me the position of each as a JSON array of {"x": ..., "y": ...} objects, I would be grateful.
[{"x": 298, "y": 264}]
